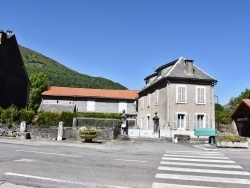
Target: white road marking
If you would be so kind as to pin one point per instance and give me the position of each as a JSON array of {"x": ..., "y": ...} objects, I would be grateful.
[
  {"x": 204, "y": 178},
  {"x": 201, "y": 164},
  {"x": 196, "y": 156},
  {"x": 197, "y": 152},
  {"x": 197, "y": 160},
  {"x": 39, "y": 152},
  {"x": 166, "y": 185},
  {"x": 243, "y": 173},
  {"x": 131, "y": 160},
  {"x": 25, "y": 160},
  {"x": 59, "y": 180}
]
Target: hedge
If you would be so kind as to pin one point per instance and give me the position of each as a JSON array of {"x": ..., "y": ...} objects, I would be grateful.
[{"x": 12, "y": 115}]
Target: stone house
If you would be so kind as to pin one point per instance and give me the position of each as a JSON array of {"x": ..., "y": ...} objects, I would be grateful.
[
  {"x": 14, "y": 80},
  {"x": 183, "y": 97},
  {"x": 89, "y": 100},
  {"x": 241, "y": 118}
]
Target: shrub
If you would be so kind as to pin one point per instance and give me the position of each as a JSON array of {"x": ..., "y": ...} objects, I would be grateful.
[
  {"x": 26, "y": 115},
  {"x": 10, "y": 115},
  {"x": 48, "y": 118},
  {"x": 67, "y": 118},
  {"x": 1, "y": 111},
  {"x": 230, "y": 137},
  {"x": 88, "y": 133}
]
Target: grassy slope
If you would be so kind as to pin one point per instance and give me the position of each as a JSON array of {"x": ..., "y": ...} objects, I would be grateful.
[{"x": 59, "y": 75}]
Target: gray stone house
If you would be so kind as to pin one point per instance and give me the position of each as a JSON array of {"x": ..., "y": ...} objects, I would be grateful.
[{"x": 183, "y": 97}]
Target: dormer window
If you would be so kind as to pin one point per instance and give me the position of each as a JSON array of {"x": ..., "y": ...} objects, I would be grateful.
[{"x": 159, "y": 74}]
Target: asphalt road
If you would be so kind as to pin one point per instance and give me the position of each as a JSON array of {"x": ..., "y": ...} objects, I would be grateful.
[{"x": 142, "y": 163}]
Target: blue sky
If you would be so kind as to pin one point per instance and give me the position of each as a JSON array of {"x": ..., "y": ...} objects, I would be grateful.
[{"x": 124, "y": 40}]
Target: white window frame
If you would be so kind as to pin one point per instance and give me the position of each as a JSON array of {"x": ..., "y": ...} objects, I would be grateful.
[
  {"x": 185, "y": 121},
  {"x": 204, "y": 121},
  {"x": 181, "y": 94},
  {"x": 91, "y": 105},
  {"x": 200, "y": 95},
  {"x": 156, "y": 97}
]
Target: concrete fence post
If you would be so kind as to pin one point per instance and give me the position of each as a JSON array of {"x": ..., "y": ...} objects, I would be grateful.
[
  {"x": 23, "y": 127},
  {"x": 75, "y": 122},
  {"x": 60, "y": 131}
]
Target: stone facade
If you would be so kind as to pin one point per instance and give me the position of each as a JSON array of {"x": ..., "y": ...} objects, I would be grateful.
[{"x": 182, "y": 95}]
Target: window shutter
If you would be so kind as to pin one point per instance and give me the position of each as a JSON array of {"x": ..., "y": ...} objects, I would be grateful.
[
  {"x": 178, "y": 94},
  {"x": 187, "y": 121},
  {"x": 156, "y": 96},
  {"x": 195, "y": 121},
  {"x": 142, "y": 103},
  {"x": 148, "y": 100},
  {"x": 183, "y": 94},
  {"x": 207, "y": 126},
  {"x": 202, "y": 95},
  {"x": 175, "y": 121}
]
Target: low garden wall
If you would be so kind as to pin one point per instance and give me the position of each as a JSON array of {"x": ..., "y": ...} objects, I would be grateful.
[{"x": 51, "y": 133}]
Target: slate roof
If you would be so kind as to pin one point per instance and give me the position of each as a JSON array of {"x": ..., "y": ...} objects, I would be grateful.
[
  {"x": 93, "y": 93},
  {"x": 55, "y": 107},
  {"x": 176, "y": 70}
]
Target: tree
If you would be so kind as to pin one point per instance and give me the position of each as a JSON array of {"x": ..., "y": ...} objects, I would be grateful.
[
  {"x": 39, "y": 84},
  {"x": 234, "y": 101},
  {"x": 222, "y": 115}
]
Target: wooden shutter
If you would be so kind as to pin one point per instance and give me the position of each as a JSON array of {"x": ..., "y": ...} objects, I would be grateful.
[
  {"x": 175, "y": 121},
  {"x": 207, "y": 125},
  {"x": 187, "y": 121},
  {"x": 195, "y": 121}
]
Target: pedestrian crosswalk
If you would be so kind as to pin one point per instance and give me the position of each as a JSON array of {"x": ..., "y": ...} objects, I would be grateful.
[{"x": 196, "y": 169}]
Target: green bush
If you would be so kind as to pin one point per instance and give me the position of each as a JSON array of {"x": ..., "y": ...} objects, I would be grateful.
[
  {"x": 99, "y": 115},
  {"x": 48, "y": 119},
  {"x": 230, "y": 137},
  {"x": 10, "y": 115},
  {"x": 87, "y": 132},
  {"x": 26, "y": 115},
  {"x": 1, "y": 111},
  {"x": 67, "y": 118}
]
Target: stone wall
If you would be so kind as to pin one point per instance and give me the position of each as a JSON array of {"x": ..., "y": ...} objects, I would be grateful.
[{"x": 50, "y": 133}]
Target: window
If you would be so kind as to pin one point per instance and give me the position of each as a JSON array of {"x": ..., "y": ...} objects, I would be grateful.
[
  {"x": 159, "y": 74},
  {"x": 200, "y": 95},
  {"x": 156, "y": 97},
  {"x": 201, "y": 121},
  {"x": 142, "y": 103},
  {"x": 181, "y": 94},
  {"x": 142, "y": 122},
  {"x": 148, "y": 98},
  {"x": 91, "y": 106},
  {"x": 122, "y": 106},
  {"x": 181, "y": 121}
]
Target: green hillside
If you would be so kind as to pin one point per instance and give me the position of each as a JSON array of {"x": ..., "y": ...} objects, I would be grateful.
[{"x": 59, "y": 75}]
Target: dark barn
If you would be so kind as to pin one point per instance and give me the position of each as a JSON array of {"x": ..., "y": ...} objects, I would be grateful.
[{"x": 14, "y": 81}]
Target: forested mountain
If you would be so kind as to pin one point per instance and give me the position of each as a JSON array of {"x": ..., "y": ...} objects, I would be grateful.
[{"x": 59, "y": 75}]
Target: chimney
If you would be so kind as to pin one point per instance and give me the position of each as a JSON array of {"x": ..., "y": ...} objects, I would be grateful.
[{"x": 189, "y": 67}]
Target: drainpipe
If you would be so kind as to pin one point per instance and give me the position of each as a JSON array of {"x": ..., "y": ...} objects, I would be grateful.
[{"x": 168, "y": 106}]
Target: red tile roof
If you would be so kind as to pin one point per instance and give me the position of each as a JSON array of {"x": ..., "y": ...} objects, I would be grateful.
[
  {"x": 95, "y": 93},
  {"x": 247, "y": 102},
  {"x": 238, "y": 111}
]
